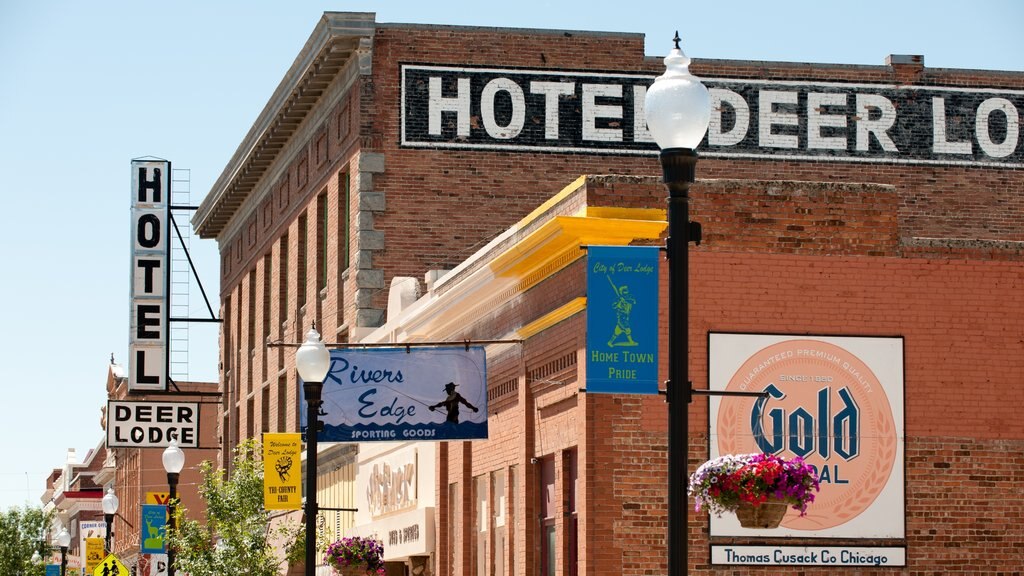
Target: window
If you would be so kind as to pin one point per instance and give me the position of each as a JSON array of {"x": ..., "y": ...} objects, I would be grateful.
[
  {"x": 481, "y": 521},
  {"x": 301, "y": 263},
  {"x": 282, "y": 293},
  {"x": 454, "y": 530},
  {"x": 500, "y": 522},
  {"x": 572, "y": 528},
  {"x": 282, "y": 403},
  {"x": 548, "y": 513},
  {"x": 265, "y": 409},
  {"x": 266, "y": 314},
  {"x": 250, "y": 336},
  {"x": 322, "y": 222}
]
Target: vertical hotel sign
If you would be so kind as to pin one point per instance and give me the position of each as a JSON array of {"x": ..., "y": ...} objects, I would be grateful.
[
  {"x": 147, "y": 342},
  {"x": 836, "y": 402},
  {"x": 622, "y": 319}
]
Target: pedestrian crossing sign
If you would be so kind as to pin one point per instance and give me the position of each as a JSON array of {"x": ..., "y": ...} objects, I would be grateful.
[{"x": 111, "y": 566}]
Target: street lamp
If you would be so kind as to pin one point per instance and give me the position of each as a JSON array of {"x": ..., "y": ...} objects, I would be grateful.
[
  {"x": 174, "y": 461},
  {"x": 63, "y": 540},
  {"x": 110, "y": 504},
  {"x": 678, "y": 110},
  {"x": 312, "y": 361}
]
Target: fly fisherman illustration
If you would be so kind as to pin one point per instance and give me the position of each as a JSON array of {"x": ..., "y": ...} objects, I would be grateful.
[
  {"x": 451, "y": 404},
  {"x": 623, "y": 306}
]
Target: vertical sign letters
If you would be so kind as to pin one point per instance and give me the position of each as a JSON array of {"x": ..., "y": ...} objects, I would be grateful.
[{"x": 147, "y": 341}]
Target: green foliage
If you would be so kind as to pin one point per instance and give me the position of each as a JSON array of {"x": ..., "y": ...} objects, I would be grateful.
[
  {"x": 235, "y": 518},
  {"x": 19, "y": 538}
]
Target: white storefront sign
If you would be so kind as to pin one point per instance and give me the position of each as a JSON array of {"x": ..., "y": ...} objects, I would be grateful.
[{"x": 152, "y": 424}]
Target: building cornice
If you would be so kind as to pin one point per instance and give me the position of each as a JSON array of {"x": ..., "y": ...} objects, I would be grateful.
[{"x": 336, "y": 40}]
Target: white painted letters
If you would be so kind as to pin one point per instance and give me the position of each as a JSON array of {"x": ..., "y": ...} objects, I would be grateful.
[
  {"x": 741, "y": 111},
  {"x": 879, "y": 127},
  {"x": 552, "y": 92},
  {"x": 940, "y": 144},
  {"x": 1009, "y": 143},
  {"x": 768, "y": 117},
  {"x": 592, "y": 111},
  {"x": 818, "y": 118},
  {"x": 458, "y": 104}
]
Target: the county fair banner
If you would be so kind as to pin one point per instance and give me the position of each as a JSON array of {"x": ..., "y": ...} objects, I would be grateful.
[
  {"x": 405, "y": 394},
  {"x": 837, "y": 402},
  {"x": 622, "y": 319}
]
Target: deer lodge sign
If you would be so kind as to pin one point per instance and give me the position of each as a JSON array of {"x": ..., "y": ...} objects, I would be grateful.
[{"x": 590, "y": 112}]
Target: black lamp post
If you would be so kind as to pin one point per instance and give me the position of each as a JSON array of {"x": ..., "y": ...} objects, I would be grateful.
[
  {"x": 63, "y": 541},
  {"x": 110, "y": 504},
  {"x": 312, "y": 361},
  {"x": 678, "y": 110},
  {"x": 174, "y": 461}
]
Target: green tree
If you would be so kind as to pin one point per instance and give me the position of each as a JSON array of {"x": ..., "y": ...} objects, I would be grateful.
[
  {"x": 235, "y": 538},
  {"x": 19, "y": 539}
]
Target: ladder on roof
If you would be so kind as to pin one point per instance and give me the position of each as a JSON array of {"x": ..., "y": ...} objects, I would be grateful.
[{"x": 181, "y": 277}]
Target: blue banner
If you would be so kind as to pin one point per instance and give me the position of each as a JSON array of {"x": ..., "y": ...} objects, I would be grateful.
[
  {"x": 154, "y": 521},
  {"x": 622, "y": 319},
  {"x": 400, "y": 394},
  {"x": 53, "y": 570}
]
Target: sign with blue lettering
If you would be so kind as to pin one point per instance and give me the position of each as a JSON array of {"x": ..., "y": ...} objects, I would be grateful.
[
  {"x": 401, "y": 394},
  {"x": 622, "y": 319},
  {"x": 154, "y": 521},
  {"x": 837, "y": 403}
]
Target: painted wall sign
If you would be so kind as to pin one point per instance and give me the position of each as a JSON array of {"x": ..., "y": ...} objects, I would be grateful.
[
  {"x": 282, "y": 474},
  {"x": 391, "y": 484},
  {"x": 622, "y": 319},
  {"x": 864, "y": 556},
  {"x": 571, "y": 111},
  {"x": 148, "y": 330},
  {"x": 399, "y": 394},
  {"x": 152, "y": 424},
  {"x": 837, "y": 402}
]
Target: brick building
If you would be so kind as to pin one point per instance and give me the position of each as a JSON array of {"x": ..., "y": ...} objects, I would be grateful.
[{"x": 883, "y": 205}]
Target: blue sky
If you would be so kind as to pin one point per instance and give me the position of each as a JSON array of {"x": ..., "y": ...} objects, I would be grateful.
[{"x": 87, "y": 86}]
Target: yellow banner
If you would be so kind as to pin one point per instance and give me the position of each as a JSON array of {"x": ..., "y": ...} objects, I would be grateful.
[
  {"x": 159, "y": 498},
  {"x": 93, "y": 554},
  {"x": 282, "y": 471}
]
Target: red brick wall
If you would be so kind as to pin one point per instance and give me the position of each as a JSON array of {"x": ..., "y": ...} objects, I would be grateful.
[{"x": 932, "y": 253}]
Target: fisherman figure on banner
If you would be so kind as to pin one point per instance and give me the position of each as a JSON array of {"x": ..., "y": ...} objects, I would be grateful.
[{"x": 451, "y": 404}]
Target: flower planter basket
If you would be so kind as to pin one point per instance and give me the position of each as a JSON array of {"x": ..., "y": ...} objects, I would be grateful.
[
  {"x": 768, "y": 515},
  {"x": 756, "y": 487},
  {"x": 354, "y": 571}
]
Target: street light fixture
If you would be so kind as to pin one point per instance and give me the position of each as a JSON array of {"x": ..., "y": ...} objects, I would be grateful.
[
  {"x": 110, "y": 504},
  {"x": 63, "y": 540},
  {"x": 174, "y": 461},
  {"x": 678, "y": 110},
  {"x": 312, "y": 361}
]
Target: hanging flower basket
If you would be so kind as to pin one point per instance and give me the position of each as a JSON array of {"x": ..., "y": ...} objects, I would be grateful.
[
  {"x": 356, "y": 556},
  {"x": 758, "y": 488},
  {"x": 768, "y": 514}
]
